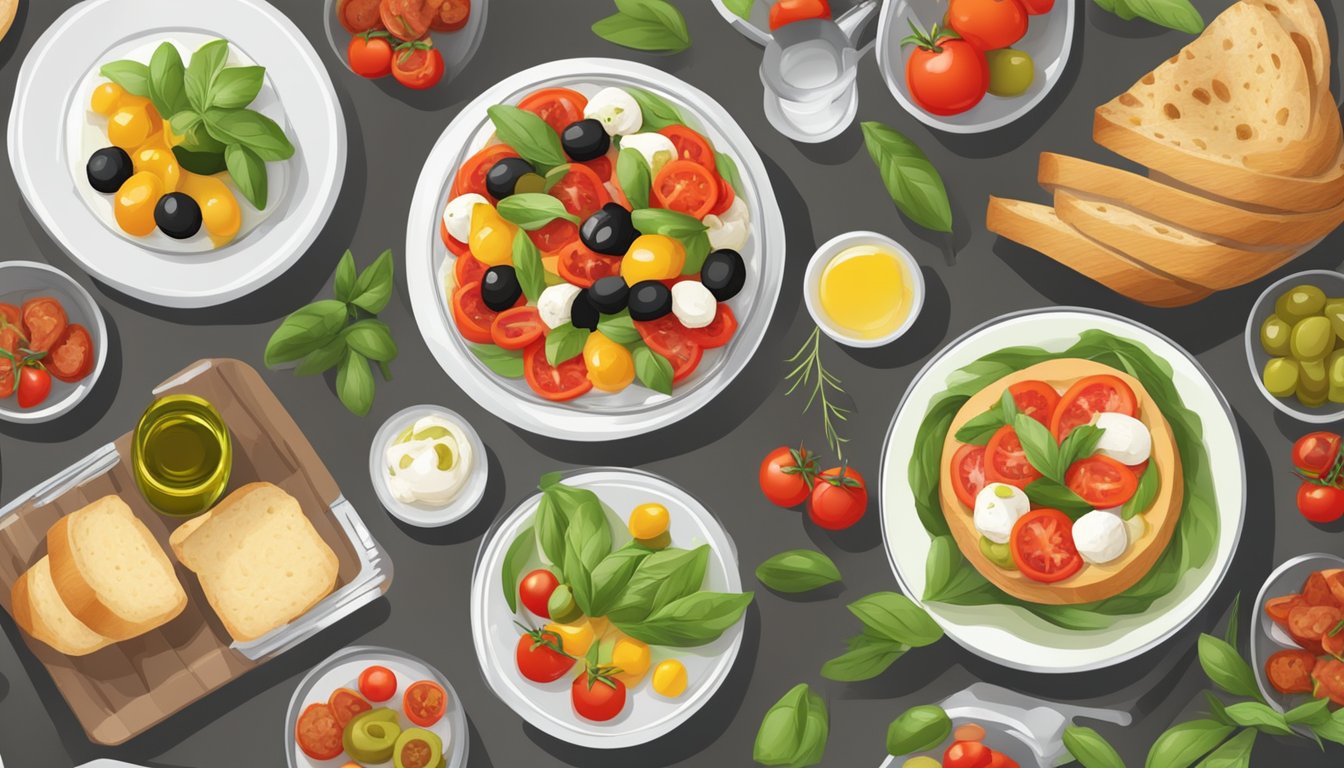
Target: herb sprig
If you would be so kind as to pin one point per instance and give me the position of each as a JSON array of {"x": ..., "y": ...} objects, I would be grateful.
[
  {"x": 645, "y": 25},
  {"x": 824, "y": 387}
]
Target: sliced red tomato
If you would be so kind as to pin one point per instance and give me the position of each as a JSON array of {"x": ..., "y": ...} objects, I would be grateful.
[
  {"x": 471, "y": 176},
  {"x": 726, "y": 197},
  {"x": 565, "y": 381},
  {"x": 1036, "y": 399},
  {"x": 582, "y": 267},
  {"x": 345, "y": 704},
  {"x": 454, "y": 246},
  {"x": 10, "y": 315},
  {"x": 1006, "y": 460},
  {"x": 667, "y": 336},
  {"x": 1314, "y": 454},
  {"x": 517, "y": 328},
  {"x": 690, "y": 145},
  {"x": 71, "y": 357},
  {"x": 424, "y": 703},
  {"x": 359, "y": 15},
  {"x": 1332, "y": 641},
  {"x": 452, "y": 16},
  {"x": 1316, "y": 591},
  {"x": 1088, "y": 397},
  {"x": 1290, "y": 671},
  {"x": 7, "y": 382},
  {"x": 968, "y": 473},
  {"x": 557, "y": 106},
  {"x": 601, "y": 166},
  {"x": 318, "y": 734},
  {"x": 1042, "y": 546},
  {"x": 687, "y": 187},
  {"x": 473, "y": 318},
  {"x": 1278, "y": 608},
  {"x": 581, "y": 190},
  {"x": 1328, "y": 676},
  {"x": 468, "y": 269},
  {"x": 44, "y": 321},
  {"x": 1101, "y": 481},
  {"x": 555, "y": 237},
  {"x": 1307, "y": 623},
  {"x": 719, "y": 331},
  {"x": 408, "y": 19}
]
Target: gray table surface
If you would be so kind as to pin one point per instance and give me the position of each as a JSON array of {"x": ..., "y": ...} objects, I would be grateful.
[{"x": 823, "y": 190}]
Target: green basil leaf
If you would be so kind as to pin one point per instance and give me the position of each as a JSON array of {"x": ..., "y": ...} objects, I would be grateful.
[
  {"x": 1039, "y": 445},
  {"x": 306, "y": 330},
  {"x": 1254, "y": 714},
  {"x": 697, "y": 250},
  {"x": 345, "y": 276},
  {"x": 372, "y": 339},
  {"x": 515, "y": 560},
  {"x": 652, "y": 369},
  {"x": 203, "y": 163},
  {"x": 587, "y": 543},
  {"x": 373, "y": 287},
  {"x": 236, "y": 87},
  {"x": 1181, "y": 745},
  {"x": 742, "y": 8},
  {"x": 1230, "y": 634},
  {"x": 1080, "y": 443},
  {"x": 1331, "y": 729},
  {"x": 534, "y": 210},
  {"x": 949, "y": 577},
  {"x": 618, "y": 327},
  {"x": 253, "y": 130},
  {"x": 896, "y": 617},
  {"x": 1179, "y": 15},
  {"x": 354, "y": 383},
  {"x": 132, "y": 76},
  {"x": 1144, "y": 495},
  {"x": 660, "y": 221},
  {"x": 1090, "y": 749},
  {"x": 632, "y": 172},
  {"x": 186, "y": 122},
  {"x": 816, "y": 732},
  {"x": 527, "y": 266},
  {"x": 1314, "y": 712},
  {"x": 645, "y": 25},
  {"x": 658, "y": 113},
  {"x": 1226, "y": 668},
  {"x": 865, "y": 660},
  {"x": 249, "y": 173},
  {"x": 780, "y": 736},
  {"x": 565, "y": 343},
  {"x": 727, "y": 168},
  {"x": 504, "y": 362},
  {"x": 612, "y": 575},
  {"x": 552, "y": 521},
  {"x": 979, "y": 429},
  {"x": 167, "y": 87},
  {"x": 206, "y": 64},
  {"x": 322, "y": 359},
  {"x": 1234, "y": 753},
  {"x": 659, "y": 580},
  {"x": 918, "y": 729},
  {"x": 693, "y": 620},
  {"x": 1117, "y": 7},
  {"x": 529, "y": 135},
  {"x": 797, "y": 570},
  {"x": 1050, "y": 493},
  {"x": 911, "y": 180}
]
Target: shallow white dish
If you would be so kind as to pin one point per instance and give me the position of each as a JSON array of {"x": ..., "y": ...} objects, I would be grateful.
[
  {"x": 1049, "y": 41},
  {"x": 421, "y": 515},
  {"x": 547, "y": 706},
  {"x": 1267, "y": 638},
  {"x": 89, "y": 34},
  {"x": 827, "y": 251},
  {"x": 1328, "y": 280},
  {"x": 1009, "y": 635},
  {"x": 457, "y": 47},
  {"x": 636, "y": 410},
  {"x": 341, "y": 670},
  {"x": 20, "y": 280}
]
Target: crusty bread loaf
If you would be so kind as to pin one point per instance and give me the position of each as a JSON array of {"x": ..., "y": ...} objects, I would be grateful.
[
  {"x": 1167, "y": 249},
  {"x": 39, "y": 611},
  {"x": 1037, "y": 227},
  {"x": 111, "y": 573},
  {"x": 260, "y": 561}
]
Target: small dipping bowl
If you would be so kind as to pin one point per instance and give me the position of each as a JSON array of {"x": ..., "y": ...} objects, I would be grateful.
[
  {"x": 1328, "y": 280},
  {"x": 418, "y": 514},
  {"x": 181, "y": 455},
  {"x": 911, "y": 274}
]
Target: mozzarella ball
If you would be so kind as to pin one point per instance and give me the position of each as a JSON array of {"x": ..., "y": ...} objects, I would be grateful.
[
  {"x": 617, "y": 110},
  {"x": 657, "y": 149},
  {"x": 997, "y": 508},
  {"x": 731, "y": 228},
  {"x": 1126, "y": 439},
  {"x": 1100, "y": 537},
  {"x": 457, "y": 214},
  {"x": 693, "y": 304},
  {"x": 554, "y": 304}
]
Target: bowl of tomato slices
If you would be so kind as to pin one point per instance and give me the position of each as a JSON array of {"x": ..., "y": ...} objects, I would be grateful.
[
  {"x": 419, "y": 43},
  {"x": 53, "y": 342},
  {"x": 1297, "y": 643}
]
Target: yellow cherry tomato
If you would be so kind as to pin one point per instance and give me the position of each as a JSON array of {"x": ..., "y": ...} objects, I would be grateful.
[
  {"x": 631, "y": 657},
  {"x": 653, "y": 257},
  {"x": 220, "y": 214},
  {"x": 610, "y": 365},
  {"x": 648, "y": 521},
  {"x": 669, "y": 678},
  {"x": 154, "y": 156},
  {"x": 575, "y": 638},
  {"x": 491, "y": 239},
  {"x": 129, "y": 127},
  {"x": 106, "y": 98},
  {"x": 135, "y": 201},
  {"x": 922, "y": 762}
]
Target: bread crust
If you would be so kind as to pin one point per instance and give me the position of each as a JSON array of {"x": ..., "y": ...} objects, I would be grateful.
[{"x": 31, "y": 622}]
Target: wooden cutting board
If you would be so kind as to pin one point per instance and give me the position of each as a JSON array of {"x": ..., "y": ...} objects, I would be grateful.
[{"x": 123, "y": 690}]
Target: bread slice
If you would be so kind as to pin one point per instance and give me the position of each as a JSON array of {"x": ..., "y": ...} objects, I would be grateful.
[
  {"x": 1038, "y": 228},
  {"x": 260, "y": 561},
  {"x": 1170, "y": 250},
  {"x": 39, "y": 611},
  {"x": 1185, "y": 209},
  {"x": 111, "y": 573}
]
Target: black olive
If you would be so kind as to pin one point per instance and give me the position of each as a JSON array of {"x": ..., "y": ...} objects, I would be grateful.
[
  {"x": 724, "y": 273},
  {"x": 609, "y": 294},
  {"x": 585, "y": 140},
  {"x": 609, "y": 230},
  {"x": 583, "y": 313},
  {"x": 500, "y": 288},
  {"x": 650, "y": 300},
  {"x": 511, "y": 176},
  {"x": 108, "y": 169},
  {"x": 178, "y": 215}
]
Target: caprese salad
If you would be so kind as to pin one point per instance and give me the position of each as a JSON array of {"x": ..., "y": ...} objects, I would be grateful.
[
  {"x": 396, "y": 37},
  {"x": 1314, "y": 619},
  {"x": 595, "y": 240},
  {"x": 38, "y": 343},
  {"x": 379, "y": 723}
]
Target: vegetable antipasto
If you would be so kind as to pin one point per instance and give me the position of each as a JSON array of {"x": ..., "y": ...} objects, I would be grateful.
[
  {"x": 370, "y": 725},
  {"x": 38, "y": 343},
  {"x": 1314, "y": 619}
]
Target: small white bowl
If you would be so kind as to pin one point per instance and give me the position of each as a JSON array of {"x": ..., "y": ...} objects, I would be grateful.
[
  {"x": 1332, "y": 283},
  {"x": 828, "y": 251},
  {"x": 21, "y": 280},
  {"x": 423, "y": 515}
]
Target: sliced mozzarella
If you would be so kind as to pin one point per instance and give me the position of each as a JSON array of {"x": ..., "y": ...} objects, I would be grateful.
[
  {"x": 1100, "y": 536},
  {"x": 617, "y": 110},
  {"x": 693, "y": 304},
  {"x": 730, "y": 228},
  {"x": 457, "y": 214},
  {"x": 1126, "y": 439},
  {"x": 554, "y": 304},
  {"x": 657, "y": 149},
  {"x": 997, "y": 508}
]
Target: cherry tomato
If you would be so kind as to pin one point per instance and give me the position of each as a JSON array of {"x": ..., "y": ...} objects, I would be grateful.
[
  {"x": 359, "y": 15},
  {"x": 1042, "y": 546},
  {"x": 967, "y": 754},
  {"x": 690, "y": 145},
  {"x": 34, "y": 386},
  {"x": 71, "y": 358},
  {"x": 1328, "y": 675},
  {"x": 453, "y": 15},
  {"x": 565, "y": 381},
  {"x": 719, "y": 331},
  {"x": 468, "y": 269},
  {"x": 726, "y": 197},
  {"x": 555, "y": 236},
  {"x": 583, "y": 267},
  {"x": 1315, "y": 454},
  {"x": 370, "y": 55},
  {"x": 318, "y": 734},
  {"x": 377, "y": 683},
  {"x": 345, "y": 704},
  {"x": 987, "y": 24},
  {"x": 581, "y": 190},
  {"x": 1290, "y": 671},
  {"x": 424, "y": 703},
  {"x": 839, "y": 499},
  {"x": 1006, "y": 460},
  {"x": 1000, "y": 760},
  {"x": 968, "y": 473},
  {"x": 597, "y": 699},
  {"x": 946, "y": 76},
  {"x": 471, "y": 176},
  {"x": 786, "y": 476},
  {"x": 407, "y": 19},
  {"x": 517, "y": 328},
  {"x": 535, "y": 591},
  {"x": 540, "y": 658},
  {"x": 687, "y": 187},
  {"x": 1320, "y": 503},
  {"x": 557, "y": 106},
  {"x": 44, "y": 321},
  {"x": 1101, "y": 481},
  {"x": 1036, "y": 399},
  {"x": 417, "y": 65},
  {"x": 1088, "y": 397},
  {"x": 474, "y": 319},
  {"x": 1037, "y": 7},
  {"x": 667, "y": 336},
  {"x": 788, "y": 11}
]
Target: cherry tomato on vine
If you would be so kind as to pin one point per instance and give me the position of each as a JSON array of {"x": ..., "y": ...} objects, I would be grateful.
[
  {"x": 535, "y": 591},
  {"x": 540, "y": 658},
  {"x": 1315, "y": 454},
  {"x": 370, "y": 55},
  {"x": 377, "y": 683},
  {"x": 786, "y": 475},
  {"x": 34, "y": 386},
  {"x": 988, "y": 24},
  {"x": 946, "y": 75},
  {"x": 839, "y": 498},
  {"x": 417, "y": 65},
  {"x": 1318, "y": 503}
]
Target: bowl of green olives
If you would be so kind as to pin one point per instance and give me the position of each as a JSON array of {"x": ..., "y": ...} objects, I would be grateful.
[{"x": 1295, "y": 345}]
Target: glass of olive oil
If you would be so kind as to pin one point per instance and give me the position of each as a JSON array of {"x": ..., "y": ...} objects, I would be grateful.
[{"x": 181, "y": 455}]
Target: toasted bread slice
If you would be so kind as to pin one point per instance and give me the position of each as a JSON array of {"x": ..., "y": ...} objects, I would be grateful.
[
  {"x": 39, "y": 611},
  {"x": 1037, "y": 227},
  {"x": 1170, "y": 250},
  {"x": 1187, "y": 210}
]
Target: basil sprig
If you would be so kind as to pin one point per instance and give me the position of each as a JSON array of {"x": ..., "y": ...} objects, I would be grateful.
[
  {"x": 911, "y": 180},
  {"x": 798, "y": 570},
  {"x": 794, "y": 731},
  {"x": 1053, "y": 460},
  {"x": 645, "y": 25},
  {"x": 892, "y": 625},
  {"x": 1179, "y": 15}
]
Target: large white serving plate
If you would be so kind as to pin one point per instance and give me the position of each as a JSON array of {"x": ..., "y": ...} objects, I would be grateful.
[
  {"x": 92, "y": 33},
  {"x": 1010, "y": 635},
  {"x": 547, "y": 706},
  {"x": 594, "y": 416}
]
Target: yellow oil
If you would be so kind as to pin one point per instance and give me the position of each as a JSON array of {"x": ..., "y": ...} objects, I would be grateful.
[
  {"x": 865, "y": 291},
  {"x": 182, "y": 455}
]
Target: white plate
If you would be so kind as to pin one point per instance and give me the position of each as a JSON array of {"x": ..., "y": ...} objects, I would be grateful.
[
  {"x": 547, "y": 706},
  {"x": 1049, "y": 40},
  {"x": 20, "y": 280},
  {"x": 456, "y": 47},
  {"x": 1267, "y": 638},
  {"x": 595, "y": 416},
  {"x": 342, "y": 670},
  {"x": 1010, "y": 635},
  {"x": 1328, "y": 280},
  {"x": 79, "y": 41},
  {"x": 421, "y": 515}
]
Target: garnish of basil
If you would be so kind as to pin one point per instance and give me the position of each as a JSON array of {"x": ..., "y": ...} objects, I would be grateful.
[
  {"x": 529, "y": 135},
  {"x": 911, "y": 180},
  {"x": 645, "y": 25}
]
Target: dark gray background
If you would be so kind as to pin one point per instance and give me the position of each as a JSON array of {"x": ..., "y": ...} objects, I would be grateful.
[{"x": 823, "y": 190}]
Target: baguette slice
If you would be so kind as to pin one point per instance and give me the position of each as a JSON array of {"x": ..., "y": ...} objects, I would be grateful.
[
  {"x": 39, "y": 611},
  {"x": 260, "y": 561},
  {"x": 1037, "y": 227},
  {"x": 111, "y": 573},
  {"x": 1182, "y": 208},
  {"x": 1170, "y": 250}
]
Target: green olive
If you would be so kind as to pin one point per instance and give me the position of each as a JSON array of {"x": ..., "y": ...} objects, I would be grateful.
[
  {"x": 1312, "y": 338},
  {"x": 1274, "y": 335},
  {"x": 1310, "y": 400},
  {"x": 1334, "y": 374},
  {"x": 1280, "y": 376},
  {"x": 1312, "y": 379},
  {"x": 1300, "y": 302},
  {"x": 1334, "y": 311},
  {"x": 998, "y": 554},
  {"x": 1011, "y": 72}
]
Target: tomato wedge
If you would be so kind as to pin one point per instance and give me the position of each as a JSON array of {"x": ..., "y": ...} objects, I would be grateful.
[
  {"x": 1278, "y": 608},
  {"x": 71, "y": 357},
  {"x": 1006, "y": 460},
  {"x": 345, "y": 704},
  {"x": 565, "y": 381},
  {"x": 468, "y": 269},
  {"x": 686, "y": 187},
  {"x": 424, "y": 703},
  {"x": 318, "y": 734},
  {"x": 1042, "y": 546},
  {"x": 582, "y": 267},
  {"x": 690, "y": 145},
  {"x": 517, "y": 328},
  {"x": 1290, "y": 671},
  {"x": 1101, "y": 481},
  {"x": 1328, "y": 675},
  {"x": 452, "y": 16},
  {"x": 726, "y": 197},
  {"x": 454, "y": 246},
  {"x": 471, "y": 176},
  {"x": 1036, "y": 399},
  {"x": 668, "y": 337},
  {"x": 44, "y": 321},
  {"x": 1088, "y": 397},
  {"x": 557, "y": 106},
  {"x": 473, "y": 318},
  {"x": 1316, "y": 591},
  {"x": 602, "y": 166},
  {"x": 719, "y": 331},
  {"x": 555, "y": 236},
  {"x": 968, "y": 473}
]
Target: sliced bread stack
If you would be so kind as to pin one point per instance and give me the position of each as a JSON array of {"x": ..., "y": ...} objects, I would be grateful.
[{"x": 1242, "y": 139}]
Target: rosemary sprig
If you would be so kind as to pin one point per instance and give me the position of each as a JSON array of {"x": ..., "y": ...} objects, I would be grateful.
[{"x": 810, "y": 372}]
